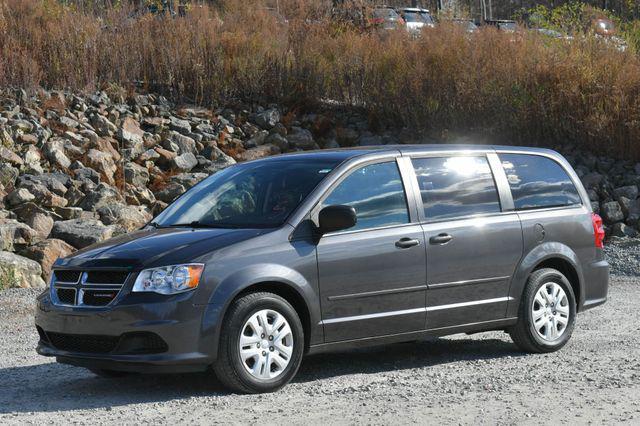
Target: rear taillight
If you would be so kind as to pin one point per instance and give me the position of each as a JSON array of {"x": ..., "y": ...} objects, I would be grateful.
[{"x": 598, "y": 230}]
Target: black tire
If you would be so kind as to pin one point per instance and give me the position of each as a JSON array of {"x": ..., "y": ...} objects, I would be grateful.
[
  {"x": 109, "y": 374},
  {"x": 229, "y": 367},
  {"x": 524, "y": 333}
]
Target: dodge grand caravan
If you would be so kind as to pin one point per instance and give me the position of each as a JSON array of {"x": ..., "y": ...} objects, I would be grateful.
[{"x": 272, "y": 259}]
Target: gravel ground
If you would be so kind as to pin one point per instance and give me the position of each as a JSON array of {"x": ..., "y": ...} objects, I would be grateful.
[
  {"x": 461, "y": 379},
  {"x": 623, "y": 256}
]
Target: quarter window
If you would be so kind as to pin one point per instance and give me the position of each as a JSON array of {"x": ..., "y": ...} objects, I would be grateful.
[
  {"x": 456, "y": 186},
  {"x": 538, "y": 182},
  {"x": 376, "y": 193}
]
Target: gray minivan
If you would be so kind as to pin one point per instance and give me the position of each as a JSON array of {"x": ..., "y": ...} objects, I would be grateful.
[{"x": 297, "y": 254}]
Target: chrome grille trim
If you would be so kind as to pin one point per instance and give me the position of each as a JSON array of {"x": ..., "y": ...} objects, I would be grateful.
[{"x": 81, "y": 286}]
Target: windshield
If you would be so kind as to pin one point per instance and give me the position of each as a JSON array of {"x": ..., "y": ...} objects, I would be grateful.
[
  {"x": 389, "y": 14},
  {"x": 508, "y": 26},
  {"x": 413, "y": 17},
  {"x": 256, "y": 195},
  {"x": 427, "y": 18}
]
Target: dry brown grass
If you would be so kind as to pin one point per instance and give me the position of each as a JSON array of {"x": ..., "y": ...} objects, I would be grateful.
[{"x": 519, "y": 90}]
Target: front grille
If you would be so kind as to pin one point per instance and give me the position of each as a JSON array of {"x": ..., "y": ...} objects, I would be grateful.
[
  {"x": 66, "y": 296},
  {"x": 125, "y": 344},
  {"x": 87, "y": 288},
  {"x": 106, "y": 277},
  {"x": 83, "y": 343},
  {"x": 67, "y": 276}
]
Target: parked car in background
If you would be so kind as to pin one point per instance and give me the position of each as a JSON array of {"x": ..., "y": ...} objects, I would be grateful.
[
  {"x": 416, "y": 19},
  {"x": 606, "y": 29},
  {"x": 467, "y": 24},
  {"x": 386, "y": 18},
  {"x": 552, "y": 33},
  {"x": 269, "y": 260},
  {"x": 505, "y": 25}
]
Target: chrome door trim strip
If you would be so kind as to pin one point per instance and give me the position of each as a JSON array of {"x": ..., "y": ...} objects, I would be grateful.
[
  {"x": 414, "y": 311},
  {"x": 467, "y": 304},
  {"x": 373, "y": 316},
  {"x": 466, "y": 282},
  {"x": 378, "y": 293}
]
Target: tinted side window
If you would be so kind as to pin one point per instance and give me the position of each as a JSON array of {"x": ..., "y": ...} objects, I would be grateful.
[
  {"x": 456, "y": 186},
  {"x": 538, "y": 182},
  {"x": 377, "y": 194}
]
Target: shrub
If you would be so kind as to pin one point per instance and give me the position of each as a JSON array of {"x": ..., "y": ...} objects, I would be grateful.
[
  {"x": 517, "y": 89},
  {"x": 8, "y": 278}
]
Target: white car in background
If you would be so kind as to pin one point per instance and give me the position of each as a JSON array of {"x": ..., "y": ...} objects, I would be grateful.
[{"x": 416, "y": 19}]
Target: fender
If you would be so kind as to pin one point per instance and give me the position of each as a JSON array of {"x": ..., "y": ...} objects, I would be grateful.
[
  {"x": 234, "y": 284},
  {"x": 540, "y": 253}
]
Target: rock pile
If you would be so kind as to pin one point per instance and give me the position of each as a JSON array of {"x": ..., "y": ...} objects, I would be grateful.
[{"x": 76, "y": 170}]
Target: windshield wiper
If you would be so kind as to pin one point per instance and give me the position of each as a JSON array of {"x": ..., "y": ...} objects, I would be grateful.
[{"x": 197, "y": 224}]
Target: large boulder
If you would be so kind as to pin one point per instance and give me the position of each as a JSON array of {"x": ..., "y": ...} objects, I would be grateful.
[
  {"x": 19, "y": 196},
  {"x": 170, "y": 192},
  {"x": 179, "y": 125},
  {"x": 81, "y": 233},
  {"x": 37, "y": 218},
  {"x": 103, "y": 163},
  {"x": 103, "y": 126},
  {"x": 136, "y": 175},
  {"x": 629, "y": 191},
  {"x": 179, "y": 143},
  {"x": 185, "y": 162},
  {"x": 612, "y": 212},
  {"x": 259, "y": 152},
  {"x": 301, "y": 139},
  {"x": 129, "y": 218},
  {"x": 47, "y": 252},
  {"x": 15, "y": 235},
  {"x": 268, "y": 118},
  {"x": 621, "y": 230},
  {"x": 130, "y": 133},
  {"x": 54, "y": 151},
  {"x": 189, "y": 179},
  {"x": 103, "y": 195},
  {"x": 10, "y": 157},
  {"x": 18, "y": 271}
]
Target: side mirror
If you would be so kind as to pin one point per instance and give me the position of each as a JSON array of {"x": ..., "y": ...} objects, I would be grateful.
[{"x": 336, "y": 218}]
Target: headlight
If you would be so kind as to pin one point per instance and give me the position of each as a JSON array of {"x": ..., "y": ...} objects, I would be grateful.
[{"x": 169, "y": 279}]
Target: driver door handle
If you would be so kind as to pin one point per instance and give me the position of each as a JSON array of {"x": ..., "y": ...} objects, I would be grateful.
[
  {"x": 440, "y": 239},
  {"x": 405, "y": 243}
]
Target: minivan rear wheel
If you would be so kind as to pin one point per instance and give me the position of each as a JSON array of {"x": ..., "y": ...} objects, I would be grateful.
[
  {"x": 261, "y": 344},
  {"x": 547, "y": 313}
]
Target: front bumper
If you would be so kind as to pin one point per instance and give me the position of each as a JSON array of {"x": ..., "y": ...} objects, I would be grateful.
[{"x": 175, "y": 320}]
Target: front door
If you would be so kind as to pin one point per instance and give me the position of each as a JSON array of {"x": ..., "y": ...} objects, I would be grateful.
[
  {"x": 372, "y": 276},
  {"x": 473, "y": 246}
]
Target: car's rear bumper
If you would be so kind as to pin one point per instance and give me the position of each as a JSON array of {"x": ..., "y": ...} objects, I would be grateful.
[
  {"x": 596, "y": 284},
  {"x": 169, "y": 338}
]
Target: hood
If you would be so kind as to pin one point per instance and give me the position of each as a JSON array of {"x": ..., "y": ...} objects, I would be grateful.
[{"x": 156, "y": 247}]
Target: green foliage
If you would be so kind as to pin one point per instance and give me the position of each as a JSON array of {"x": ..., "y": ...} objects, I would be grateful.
[
  {"x": 8, "y": 278},
  {"x": 571, "y": 18}
]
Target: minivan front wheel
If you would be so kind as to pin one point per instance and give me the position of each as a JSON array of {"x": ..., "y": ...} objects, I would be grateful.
[
  {"x": 261, "y": 344},
  {"x": 547, "y": 313}
]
